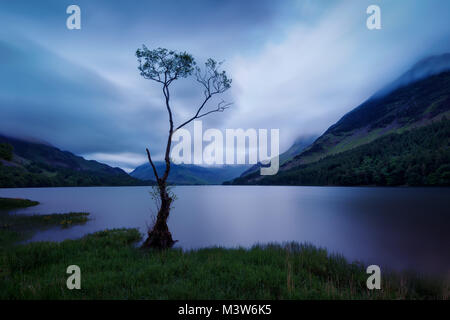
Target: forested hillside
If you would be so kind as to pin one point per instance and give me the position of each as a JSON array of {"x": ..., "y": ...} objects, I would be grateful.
[
  {"x": 415, "y": 157},
  {"x": 29, "y": 164}
]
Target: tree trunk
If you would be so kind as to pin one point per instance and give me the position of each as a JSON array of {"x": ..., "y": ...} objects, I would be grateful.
[{"x": 159, "y": 236}]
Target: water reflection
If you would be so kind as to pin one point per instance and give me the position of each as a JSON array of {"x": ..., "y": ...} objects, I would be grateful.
[{"x": 395, "y": 227}]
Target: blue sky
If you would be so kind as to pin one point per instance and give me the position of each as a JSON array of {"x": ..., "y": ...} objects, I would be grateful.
[{"x": 296, "y": 65}]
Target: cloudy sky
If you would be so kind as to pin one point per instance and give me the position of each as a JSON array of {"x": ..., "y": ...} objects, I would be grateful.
[{"x": 296, "y": 65}]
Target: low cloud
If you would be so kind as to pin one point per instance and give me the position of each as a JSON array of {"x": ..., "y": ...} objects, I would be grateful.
[{"x": 297, "y": 66}]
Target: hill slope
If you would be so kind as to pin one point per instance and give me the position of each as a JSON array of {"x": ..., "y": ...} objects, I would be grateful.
[
  {"x": 401, "y": 106},
  {"x": 409, "y": 107},
  {"x": 416, "y": 157},
  {"x": 30, "y": 164}
]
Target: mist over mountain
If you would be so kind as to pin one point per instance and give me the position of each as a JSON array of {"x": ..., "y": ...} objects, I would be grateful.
[
  {"x": 25, "y": 138},
  {"x": 422, "y": 98},
  {"x": 424, "y": 68}
]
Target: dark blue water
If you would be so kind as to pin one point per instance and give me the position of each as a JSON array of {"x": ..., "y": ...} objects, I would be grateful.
[{"x": 398, "y": 228}]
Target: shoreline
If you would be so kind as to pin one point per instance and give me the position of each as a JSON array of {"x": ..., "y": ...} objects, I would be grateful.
[{"x": 114, "y": 268}]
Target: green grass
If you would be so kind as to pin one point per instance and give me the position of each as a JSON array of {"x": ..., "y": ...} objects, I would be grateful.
[
  {"x": 14, "y": 228},
  {"x": 112, "y": 267},
  {"x": 19, "y": 227},
  {"x": 11, "y": 203}
]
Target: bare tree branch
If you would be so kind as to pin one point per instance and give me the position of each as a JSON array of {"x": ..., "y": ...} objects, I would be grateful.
[
  {"x": 221, "y": 106},
  {"x": 153, "y": 165},
  {"x": 214, "y": 82}
]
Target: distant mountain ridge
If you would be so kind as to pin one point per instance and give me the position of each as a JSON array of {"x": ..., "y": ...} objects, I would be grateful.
[
  {"x": 34, "y": 164},
  {"x": 188, "y": 174}
]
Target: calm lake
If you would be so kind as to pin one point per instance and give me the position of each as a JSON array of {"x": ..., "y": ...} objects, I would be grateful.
[{"x": 397, "y": 228}]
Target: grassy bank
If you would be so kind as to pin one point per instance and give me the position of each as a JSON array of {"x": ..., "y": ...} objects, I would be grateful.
[
  {"x": 12, "y": 203},
  {"x": 113, "y": 268},
  {"x": 18, "y": 227}
]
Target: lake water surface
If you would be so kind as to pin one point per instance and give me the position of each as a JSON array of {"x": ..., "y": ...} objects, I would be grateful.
[{"x": 398, "y": 228}]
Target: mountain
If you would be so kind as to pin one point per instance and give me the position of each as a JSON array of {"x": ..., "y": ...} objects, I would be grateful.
[
  {"x": 418, "y": 98},
  {"x": 184, "y": 174},
  {"x": 423, "y": 69},
  {"x": 416, "y": 157},
  {"x": 416, "y": 104},
  {"x": 26, "y": 163}
]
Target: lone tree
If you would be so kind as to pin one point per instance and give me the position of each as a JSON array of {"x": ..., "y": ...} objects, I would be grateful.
[{"x": 164, "y": 66}]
